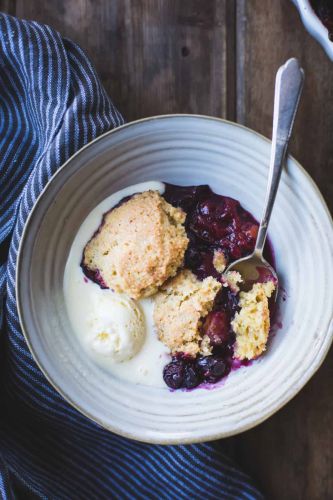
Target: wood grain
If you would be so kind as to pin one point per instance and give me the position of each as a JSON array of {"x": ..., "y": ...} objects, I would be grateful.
[
  {"x": 272, "y": 33},
  {"x": 291, "y": 454},
  {"x": 219, "y": 57},
  {"x": 154, "y": 56},
  {"x": 8, "y": 6}
]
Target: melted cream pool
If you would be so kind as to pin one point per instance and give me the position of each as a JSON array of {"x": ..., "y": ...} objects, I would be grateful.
[{"x": 86, "y": 300}]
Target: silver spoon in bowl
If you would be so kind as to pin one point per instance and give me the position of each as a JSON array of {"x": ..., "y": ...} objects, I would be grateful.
[{"x": 288, "y": 87}]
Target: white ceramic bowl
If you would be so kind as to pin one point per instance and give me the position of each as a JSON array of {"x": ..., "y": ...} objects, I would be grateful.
[
  {"x": 314, "y": 25},
  {"x": 183, "y": 150}
]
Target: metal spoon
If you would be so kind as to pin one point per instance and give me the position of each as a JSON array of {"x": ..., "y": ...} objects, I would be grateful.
[{"x": 288, "y": 88}]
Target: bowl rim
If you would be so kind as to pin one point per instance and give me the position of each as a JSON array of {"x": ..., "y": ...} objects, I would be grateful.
[
  {"x": 314, "y": 25},
  {"x": 19, "y": 300}
]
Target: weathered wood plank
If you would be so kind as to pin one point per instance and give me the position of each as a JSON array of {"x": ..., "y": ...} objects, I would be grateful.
[
  {"x": 154, "y": 56},
  {"x": 273, "y": 32},
  {"x": 291, "y": 454},
  {"x": 8, "y": 6}
]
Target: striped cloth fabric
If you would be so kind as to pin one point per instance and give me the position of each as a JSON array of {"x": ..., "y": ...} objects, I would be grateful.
[{"x": 51, "y": 104}]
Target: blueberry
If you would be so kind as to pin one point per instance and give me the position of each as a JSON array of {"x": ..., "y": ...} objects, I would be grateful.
[
  {"x": 212, "y": 368},
  {"x": 173, "y": 374},
  {"x": 194, "y": 257},
  {"x": 192, "y": 376},
  {"x": 200, "y": 261}
]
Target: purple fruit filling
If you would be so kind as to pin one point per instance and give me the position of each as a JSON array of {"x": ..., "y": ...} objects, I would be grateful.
[
  {"x": 213, "y": 223},
  {"x": 184, "y": 372},
  {"x": 94, "y": 276}
]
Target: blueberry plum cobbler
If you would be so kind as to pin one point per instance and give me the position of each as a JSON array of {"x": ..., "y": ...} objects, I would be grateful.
[{"x": 147, "y": 289}]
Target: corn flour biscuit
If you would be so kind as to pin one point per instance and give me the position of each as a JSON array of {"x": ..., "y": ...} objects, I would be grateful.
[
  {"x": 252, "y": 323},
  {"x": 180, "y": 306},
  {"x": 139, "y": 245}
]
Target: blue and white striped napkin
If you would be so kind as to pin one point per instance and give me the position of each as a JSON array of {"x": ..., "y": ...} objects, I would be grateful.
[{"x": 51, "y": 104}]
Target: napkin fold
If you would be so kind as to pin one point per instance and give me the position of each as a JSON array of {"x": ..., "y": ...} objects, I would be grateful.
[{"x": 51, "y": 104}]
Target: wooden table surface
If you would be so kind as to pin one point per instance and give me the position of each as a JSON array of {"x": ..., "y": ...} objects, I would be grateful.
[{"x": 219, "y": 57}]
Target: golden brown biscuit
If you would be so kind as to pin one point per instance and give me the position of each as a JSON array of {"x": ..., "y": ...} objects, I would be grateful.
[
  {"x": 180, "y": 306},
  {"x": 140, "y": 244},
  {"x": 231, "y": 279},
  {"x": 219, "y": 261},
  {"x": 252, "y": 323}
]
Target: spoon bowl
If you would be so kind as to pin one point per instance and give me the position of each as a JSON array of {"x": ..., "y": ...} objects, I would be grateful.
[{"x": 255, "y": 269}]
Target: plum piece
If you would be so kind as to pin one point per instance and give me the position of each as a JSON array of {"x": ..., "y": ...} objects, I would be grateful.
[{"x": 217, "y": 328}]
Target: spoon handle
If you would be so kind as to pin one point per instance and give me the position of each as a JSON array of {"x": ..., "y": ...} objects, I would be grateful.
[{"x": 288, "y": 88}]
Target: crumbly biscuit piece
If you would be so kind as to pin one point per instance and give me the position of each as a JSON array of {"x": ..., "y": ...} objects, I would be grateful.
[
  {"x": 139, "y": 245},
  {"x": 219, "y": 261},
  {"x": 179, "y": 308},
  {"x": 231, "y": 280},
  {"x": 206, "y": 348},
  {"x": 252, "y": 323}
]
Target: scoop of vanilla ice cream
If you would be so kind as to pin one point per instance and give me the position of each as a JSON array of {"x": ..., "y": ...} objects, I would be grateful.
[{"x": 117, "y": 327}]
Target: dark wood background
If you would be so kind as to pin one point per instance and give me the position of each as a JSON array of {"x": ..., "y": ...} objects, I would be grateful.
[{"x": 219, "y": 57}]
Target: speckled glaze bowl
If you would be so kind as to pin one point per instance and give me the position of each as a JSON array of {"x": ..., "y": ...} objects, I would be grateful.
[{"x": 184, "y": 150}]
